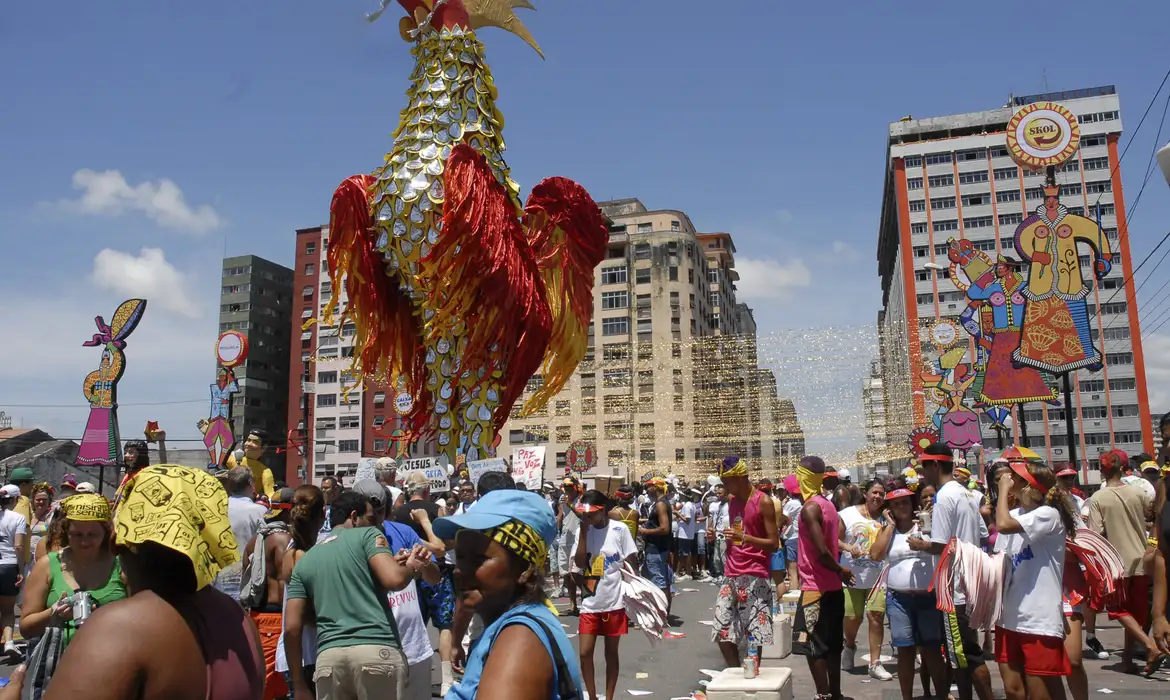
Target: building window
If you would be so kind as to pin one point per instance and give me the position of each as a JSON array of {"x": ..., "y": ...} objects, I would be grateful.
[
  {"x": 979, "y": 222},
  {"x": 325, "y": 400},
  {"x": 676, "y": 350},
  {"x": 564, "y": 433},
  {"x": 349, "y": 423},
  {"x": 918, "y": 205},
  {"x": 914, "y": 183},
  {"x": 914, "y": 162},
  {"x": 614, "y": 275},
  {"x": 972, "y": 177},
  {"x": 379, "y": 398},
  {"x": 617, "y": 458},
  {"x": 941, "y": 226},
  {"x": 311, "y": 248},
  {"x": 675, "y": 226},
  {"x": 327, "y": 377},
  {"x": 942, "y": 203},
  {"x": 310, "y": 269},
  {"x": 347, "y": 445},
  {"x": 937, "y": 158},
  {"x": 642, "y": 276},
  {"x": 1123, "y": 384},
  {"x": 615, "y": 378},
  {"x": 975, "y": 200},
  {"x": 618, "y": 430},
  {"x": 1119, "y": 358},
  {"x": 917, "y": 228},
  {"x": 646, "y": 228},
  {"x": 941, "y": 180},
  {"x": 1098, "y": 187},
  {"x": 1007, "y": 196},
  {"x": 307, "y": 292},
  {"x": 646, "y": 455},
  {"x": 1010, "y": 219},
  {"x": 1006, "y": 173},
  {"x": 641, "y": 251},
  {"x": 588, "y": 407},
  {"x": 615, "y": 300},
  {"x": 673, "y": 273},
  {"x": 680, "y": 429},
  {"x": 680, "y": 455},
  {"x": 588, "y": 432},
  {"x": 616, "y": 325}
]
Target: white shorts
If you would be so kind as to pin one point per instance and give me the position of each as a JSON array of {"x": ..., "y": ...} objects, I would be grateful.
[{"x": 568, "y": 547}]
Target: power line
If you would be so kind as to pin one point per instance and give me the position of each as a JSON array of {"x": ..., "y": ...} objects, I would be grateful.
[
  {"x": 1150, "y": 165},
  {"x": 1136, "y": 131},
  {"x": 82, "y": 405}
]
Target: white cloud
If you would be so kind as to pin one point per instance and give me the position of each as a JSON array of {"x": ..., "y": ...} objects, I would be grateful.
[
  {"x": 147, "y": 275},
  {"x": 1156, "y": 350},
  {"x": 769, "y": 279},
  {"x": 841, "y": 249},
  {"x": 107, "y": 193}
]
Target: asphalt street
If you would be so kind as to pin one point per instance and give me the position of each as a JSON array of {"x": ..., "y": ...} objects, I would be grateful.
[{"x": 673, "y": 668}]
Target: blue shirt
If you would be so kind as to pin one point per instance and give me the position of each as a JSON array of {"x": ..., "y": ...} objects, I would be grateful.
[
  {"x": 467, "y": 688},
  {"x": 400, "y": 536}
]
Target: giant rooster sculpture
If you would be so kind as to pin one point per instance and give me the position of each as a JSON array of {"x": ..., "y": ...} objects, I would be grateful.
[{"x": 458, "y": 293}]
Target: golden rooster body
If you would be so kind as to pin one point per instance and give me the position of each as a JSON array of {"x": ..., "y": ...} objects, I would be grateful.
[{"x": 459, "y": 293}]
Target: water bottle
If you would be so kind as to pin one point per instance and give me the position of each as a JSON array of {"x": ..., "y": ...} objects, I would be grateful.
[{"x": 751, "y": 660}]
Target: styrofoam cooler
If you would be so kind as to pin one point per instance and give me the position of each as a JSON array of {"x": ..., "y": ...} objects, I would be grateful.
[
  {"x": 789, "y": 602},
  {"x": 770, "y": 684},
  {"x": 781, "y": 645}
]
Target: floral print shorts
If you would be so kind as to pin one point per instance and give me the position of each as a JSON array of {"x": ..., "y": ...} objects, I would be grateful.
[{"x": 744, "y": 607}]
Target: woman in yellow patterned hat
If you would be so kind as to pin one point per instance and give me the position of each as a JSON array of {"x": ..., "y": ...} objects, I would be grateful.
[
  {"x": 85, "y": 565},
  {"x": 176, "y": 636}
]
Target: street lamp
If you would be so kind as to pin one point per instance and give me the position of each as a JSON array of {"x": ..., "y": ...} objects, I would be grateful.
[
  {"x": 1164, "y": 161},
  {"x": 936, "y": 267}
]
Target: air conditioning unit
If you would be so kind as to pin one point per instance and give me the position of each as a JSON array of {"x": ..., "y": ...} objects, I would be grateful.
[
  {"x": 1096, "y": 397},
  {"x": 1058, "y": 450}
]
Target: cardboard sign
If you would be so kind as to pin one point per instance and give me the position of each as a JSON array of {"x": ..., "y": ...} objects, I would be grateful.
[
  {"x": 528, "y": 466},
  {"x": 480, "y": 467},
  {"x": 365, "y": 469},
  {"x": 435, "y": 472}
]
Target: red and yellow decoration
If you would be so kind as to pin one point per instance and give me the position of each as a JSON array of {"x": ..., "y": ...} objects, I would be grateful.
[
  {"x": 1043, "y": 134},
  {"x": 459, "y": 293}
]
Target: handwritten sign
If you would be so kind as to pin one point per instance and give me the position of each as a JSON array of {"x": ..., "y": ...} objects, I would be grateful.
[
  {"x": 528, "y": 466},
  {"x": 435, "y": 471},
  {"x": 365, "y": 469},
  {"x": 480, "y": 467}
]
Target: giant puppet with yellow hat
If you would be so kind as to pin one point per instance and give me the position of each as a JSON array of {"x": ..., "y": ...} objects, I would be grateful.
[{"x": 459, "y": 292}]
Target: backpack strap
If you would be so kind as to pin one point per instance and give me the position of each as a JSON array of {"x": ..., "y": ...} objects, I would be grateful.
[{"x": 565, "y": 688}]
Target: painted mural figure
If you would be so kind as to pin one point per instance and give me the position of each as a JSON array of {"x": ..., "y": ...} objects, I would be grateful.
[
  {"x": 217, "y": 431},
  {"x": 997, "y": 302},
  {"x": 101, "y": 443},
  {"x": 1055, "y": 333},
  {"x": 949, "y": 381}
]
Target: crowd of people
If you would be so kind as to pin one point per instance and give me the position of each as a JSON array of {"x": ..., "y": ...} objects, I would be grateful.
[{"x": 330, "y": 592}]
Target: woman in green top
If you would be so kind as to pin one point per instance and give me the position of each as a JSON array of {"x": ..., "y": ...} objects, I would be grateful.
[{"x": 85, "y": 563}]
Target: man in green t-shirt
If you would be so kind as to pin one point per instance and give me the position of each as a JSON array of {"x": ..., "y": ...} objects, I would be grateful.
[{"x": 343, "y": 582}]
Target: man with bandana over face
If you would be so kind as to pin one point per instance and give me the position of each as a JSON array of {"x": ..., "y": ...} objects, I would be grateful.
[{"x": 819, "y": 630}]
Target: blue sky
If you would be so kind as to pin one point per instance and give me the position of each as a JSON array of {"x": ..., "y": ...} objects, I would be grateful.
[{"x": 229, "y": 124}]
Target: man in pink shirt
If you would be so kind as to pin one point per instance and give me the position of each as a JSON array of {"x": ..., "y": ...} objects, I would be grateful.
[
  {"x": 819, "y": 631},
  {"x": 744, "y": 606}
]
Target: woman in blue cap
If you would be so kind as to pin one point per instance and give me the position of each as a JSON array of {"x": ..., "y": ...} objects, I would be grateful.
[{"x": 501, "y": 547}]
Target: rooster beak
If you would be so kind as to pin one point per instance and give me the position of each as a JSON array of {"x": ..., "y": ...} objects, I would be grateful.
[{"x": 501, "y": 14}]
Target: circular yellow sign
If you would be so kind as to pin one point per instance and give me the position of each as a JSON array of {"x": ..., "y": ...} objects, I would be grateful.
[{"x": 1043, "y": 134}]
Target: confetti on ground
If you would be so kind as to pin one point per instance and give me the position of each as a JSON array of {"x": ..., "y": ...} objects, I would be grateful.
[
  {"x": 674, "y": 635},
  {"x": 690, "y": 590},
  {"x": 709, "y": 623},
  {"x": 637, "y": 693},
  {"x": 640, "y": 676},
  {"x": 1106, "y": 691}
]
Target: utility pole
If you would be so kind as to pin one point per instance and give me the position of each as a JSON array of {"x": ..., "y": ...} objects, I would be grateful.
[{"x": 308, "y": 389}]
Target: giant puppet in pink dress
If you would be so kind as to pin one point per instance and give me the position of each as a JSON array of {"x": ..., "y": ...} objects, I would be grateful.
[{"x": 101, "y": 442}]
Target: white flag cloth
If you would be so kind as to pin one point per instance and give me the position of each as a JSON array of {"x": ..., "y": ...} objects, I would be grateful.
[{"x": 645, "y": 603}]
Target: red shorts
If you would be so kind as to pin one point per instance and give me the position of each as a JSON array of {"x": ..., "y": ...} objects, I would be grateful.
[
  {"x": 614, "y": 623},
  {"x": 1136, "y": 600},
  {"x": 1040, "y": 656}
]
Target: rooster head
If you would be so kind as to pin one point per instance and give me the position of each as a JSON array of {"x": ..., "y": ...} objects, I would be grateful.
[{"x": 471, "y": 14}]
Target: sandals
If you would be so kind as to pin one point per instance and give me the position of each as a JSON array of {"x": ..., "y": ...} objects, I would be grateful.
[{"x": 1155, "y": 664}]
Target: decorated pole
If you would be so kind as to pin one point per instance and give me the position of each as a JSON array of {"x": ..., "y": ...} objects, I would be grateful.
[
  {"x": 231, "y": 349},
  {"x": 1055, "y": 334},
  {"x": 101, "y": 441}
]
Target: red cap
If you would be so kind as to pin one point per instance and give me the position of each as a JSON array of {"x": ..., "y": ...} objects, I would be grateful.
[{"x": 1069, "y": 471}]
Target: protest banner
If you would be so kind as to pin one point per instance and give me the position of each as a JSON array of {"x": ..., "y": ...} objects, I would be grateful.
[
  {"x": 528, "y": 466},
  {"x": 365, "y": 469},
  {"x": 431, "y": 467},
  {"x": 480, "y": 467}
]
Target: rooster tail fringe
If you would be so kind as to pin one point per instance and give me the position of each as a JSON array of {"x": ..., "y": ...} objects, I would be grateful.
[
  {"x": 387, "y": 337},
  {"x": 486, "y": 279},
  {"x": 568, "y": 236}
]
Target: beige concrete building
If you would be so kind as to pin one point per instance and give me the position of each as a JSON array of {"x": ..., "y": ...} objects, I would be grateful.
[{"x": 670, "y": 381}]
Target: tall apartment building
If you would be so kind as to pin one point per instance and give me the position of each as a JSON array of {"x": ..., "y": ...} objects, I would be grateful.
[
  {"x": 348, "y": 419},
  {"x": 256, "y": 299},
  {"x": 952, "y": 177},
  {"x": 676, "y": 372}
]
